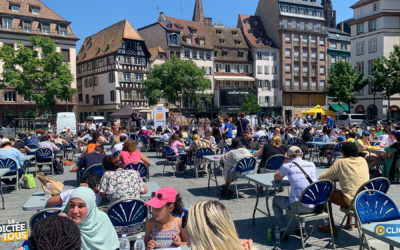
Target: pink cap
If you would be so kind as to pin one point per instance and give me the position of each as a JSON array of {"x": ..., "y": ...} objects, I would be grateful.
[{"x": 162, "y": 197}]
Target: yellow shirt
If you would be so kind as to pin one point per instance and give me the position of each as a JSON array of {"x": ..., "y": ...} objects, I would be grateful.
[
  {"x": 362, "y": 145},
  {"x": 351, "y": 140},
  {"x": 351, "y": 172},
  {"x": 184, "y": 134}
]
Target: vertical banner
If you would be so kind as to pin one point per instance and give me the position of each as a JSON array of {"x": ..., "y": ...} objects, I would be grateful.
[{"x": 160, "y": 118}]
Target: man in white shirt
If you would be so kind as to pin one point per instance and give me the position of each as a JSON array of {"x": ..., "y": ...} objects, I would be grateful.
[
  {"x": 118, "y": 147},
  {"x": 260, "y": 132},
  {"x": 387, "y": 139},
  {"x": 298, "y": 182}
]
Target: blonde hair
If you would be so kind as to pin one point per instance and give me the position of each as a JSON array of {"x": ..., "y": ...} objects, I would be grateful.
[
  {"x": 276, "y": 141},
  {"x": 210, "y": 226}
]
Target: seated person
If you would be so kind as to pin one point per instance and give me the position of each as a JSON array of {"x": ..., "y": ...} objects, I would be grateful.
[
  {"x": 118, "y": 183},
  {"x": 20, "y": 145},
  {"x": 7, "y": 151},
  {"x": 260, "y": 132},
  {"x": 164, "y": 229},
  {"x": 118, "y": 147},
  {"x": 230, "y": 160},
  {"x": 208, "y": 137},
  {"x": 268, "y": 150},
  {"x": 351, "y": 171},
  {"x": 96, "y": 157},
  {"x": 198, "y": 142},
  {"x": 131, "y": 154},
  {"x": 362, "y": 145},
  {"x": 90, "y": 180},
  {"x": 298, "y": 182},
  {"x": 45, "y": 142}
]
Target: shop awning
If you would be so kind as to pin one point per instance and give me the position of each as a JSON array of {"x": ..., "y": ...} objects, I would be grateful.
[
  {"x": 235, "y": 78},
  {"x": 339, "y": 107}
]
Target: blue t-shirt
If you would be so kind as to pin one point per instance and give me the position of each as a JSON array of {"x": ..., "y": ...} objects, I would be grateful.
[
  {"x": 13, "y": 154},
  {"x": 230, "y": 127},
  {"x": 330, "y": 122}
]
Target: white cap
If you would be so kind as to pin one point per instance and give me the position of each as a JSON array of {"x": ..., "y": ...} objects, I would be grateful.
[{"x": 123, "y": 235}]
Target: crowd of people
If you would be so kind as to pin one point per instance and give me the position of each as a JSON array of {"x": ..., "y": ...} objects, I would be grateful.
[{"x": 209, "y": 224}]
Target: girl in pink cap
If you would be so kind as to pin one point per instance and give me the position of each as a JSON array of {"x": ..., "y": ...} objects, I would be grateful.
[{"x": 165, "y": 230}]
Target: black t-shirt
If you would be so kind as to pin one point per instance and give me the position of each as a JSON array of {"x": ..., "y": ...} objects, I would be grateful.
[
  {"x": 133, "y": 117},
  {"x": 270, "y": 150},
  {"x": 19, "y": 145},
  {"x": 90, "y": 159},
  {"x": 241, "y": 123}
]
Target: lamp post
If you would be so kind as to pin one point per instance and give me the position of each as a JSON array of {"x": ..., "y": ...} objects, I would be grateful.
[{"x": 388, "y": 96}]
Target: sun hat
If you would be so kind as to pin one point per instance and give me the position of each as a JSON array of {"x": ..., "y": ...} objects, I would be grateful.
[
  {"x": 294, "y": 150},
  {"x": 366, "y": 132},
  {"x": 162, "y": 196},
  {"x": 5, "y": 141}
]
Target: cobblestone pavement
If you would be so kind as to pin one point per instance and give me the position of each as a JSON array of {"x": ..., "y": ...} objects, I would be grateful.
[{"x": 193, "y": 190}]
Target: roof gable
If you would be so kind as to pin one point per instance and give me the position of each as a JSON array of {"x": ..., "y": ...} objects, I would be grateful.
[
  {"x": 45, "y": 12},
  {"x": 254, "y": 32}
]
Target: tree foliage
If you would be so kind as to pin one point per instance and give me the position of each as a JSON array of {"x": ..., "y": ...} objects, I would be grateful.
[
  {"x": 175, "y": 80},
  {"x": 344, "y": 83},
  {"x": 38, "y": 74},
  {"x": 250, "y": 105},
  {"x": 387, "y": 73}
]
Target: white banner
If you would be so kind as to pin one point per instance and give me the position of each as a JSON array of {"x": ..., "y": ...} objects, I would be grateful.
[{"x": 160, "y": 118}]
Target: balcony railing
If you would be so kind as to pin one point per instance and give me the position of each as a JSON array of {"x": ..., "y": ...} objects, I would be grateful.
[{"x": 314, "y": 30}]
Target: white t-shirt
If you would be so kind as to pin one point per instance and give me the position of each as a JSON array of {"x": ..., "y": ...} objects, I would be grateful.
[
  {"x": 117, "y": 147},
  {"x": 259, "y": 134},
  {"x": 297, "y": 179},
  {"x": 67, "y": 193}
]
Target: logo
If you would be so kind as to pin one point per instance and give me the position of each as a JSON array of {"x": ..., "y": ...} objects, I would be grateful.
[
  {"x": 388, "y": 230},
  {"x": 14, "y": 231}
]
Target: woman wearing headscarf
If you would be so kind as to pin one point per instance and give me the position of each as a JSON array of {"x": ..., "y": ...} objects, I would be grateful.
[{"x": 97, "y": 231}]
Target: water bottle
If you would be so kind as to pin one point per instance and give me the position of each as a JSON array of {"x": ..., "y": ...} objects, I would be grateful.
[
  {"x": 269, "y": 234},
  {"x": 47, "y": 194},
  {"x": 139, "y": 243},
  {"x": 277, "y": 235},
  {"x": 124, "y": 243}
]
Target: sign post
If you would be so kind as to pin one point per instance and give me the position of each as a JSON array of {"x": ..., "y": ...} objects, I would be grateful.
[{"x": 160, "y": 118}]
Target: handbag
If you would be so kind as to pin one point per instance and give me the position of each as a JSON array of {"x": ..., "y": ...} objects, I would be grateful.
[
  {"x": 245, "y": 136},
  {"x": 55, "y": 186},
  {"x": 320, "y": 207},
  {"x": 28, "y": 181}
]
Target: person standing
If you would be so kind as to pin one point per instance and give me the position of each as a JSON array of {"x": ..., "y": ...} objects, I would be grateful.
[
  {"x": 329, "y": 122},
  {"x": 241, "y": 128}
]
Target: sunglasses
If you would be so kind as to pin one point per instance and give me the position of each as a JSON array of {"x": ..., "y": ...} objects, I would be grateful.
[{"x": 158, "y": 196}]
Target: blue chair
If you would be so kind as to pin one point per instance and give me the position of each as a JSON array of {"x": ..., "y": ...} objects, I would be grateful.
[
  {"x": 13, "y": 166},
  {"x": 293, "y": 141},
  {"x": 263, "y": 139},
  {"x": 381, "y": 184},
  {"x": 95, "y": 169},
  {"x": 317, "y": 193},
  {"x": 128, "y": 216},
  {"x": 335, "y": 153},
  {"x": 42, "y": 214},
  {"x": 172, "y": 159},
  {"x": 226, "y": 149},
  {"x": 199, "y": 161},
  {"x": 44, "y": 156},
  {"x": 116, "y": 154},
  {"x": 373, "y": 206},
  {"x": 244, "y": 167},
  {"x": 145, "y": 142},
  {"x": 273, "y": 163},
  {"x": 140, "y": 167},
  {"x": 32, "y": 146}
]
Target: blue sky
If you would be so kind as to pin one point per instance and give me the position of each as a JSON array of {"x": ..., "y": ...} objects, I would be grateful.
[{"x": 90, "y": 16}]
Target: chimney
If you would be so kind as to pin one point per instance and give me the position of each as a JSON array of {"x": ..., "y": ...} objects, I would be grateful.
[
  {"x": 342, "y": 26},
  {"x": 161, "y": 18},
  {"x": 208, "y": 21}
]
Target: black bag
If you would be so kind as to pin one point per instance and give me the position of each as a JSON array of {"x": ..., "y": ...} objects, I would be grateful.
[
  {"x": 58, "y": 167},
  {"x": 320, "y": 207}
]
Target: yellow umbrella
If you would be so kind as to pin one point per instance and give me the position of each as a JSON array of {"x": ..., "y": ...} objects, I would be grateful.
[{"x": 318, "y": 109}]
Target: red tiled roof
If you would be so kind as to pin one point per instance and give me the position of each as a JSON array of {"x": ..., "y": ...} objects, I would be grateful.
[{"x": 258, "y": 33}]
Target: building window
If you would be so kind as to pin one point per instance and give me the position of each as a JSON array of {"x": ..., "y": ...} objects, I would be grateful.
[
  {"x": 322, "y": 85},
  {"x": 80, "y": 97},
  {"x": 321, "y": 41},
  {"x": 285, "y": 23},
  {"x": 10, "y": 97},
  {"x": 224, "y": 53},
  {"x": 227, "y": 68},
  {"x": 218, "y": 31},
  {"x": 45, "y": 28},
  {"x": 360, "y": 48},
  {"x": 139, "y": 77},
  {"x": 302, "y": 11},
  {"x": 87, "y": 98},
  {"x": 322, "y": 70},
  {"x": 273, "y": 70},
  {"x": 293, "y": 9},
  {"x": 371, "y": 64},
  {"x": 372, "y": 25},
  {"x": 310, "y": 26},
  {"x": 173, "y": 39},
  {"x": 305, "y": 55},
  {"x": 293, "y": 24},
  {"x": 240, "y": 54},
  {"x": 288, "y": 52},
  {"x": 62, "y": 29},
  {"x": 287, "y": 38},
  {"x": 259, "y": 69},
  {"x": 127, "y": 95},
  {"x": 201, "y": 54},
  {"x": 288, "y": 82},
  {"x": 237, "y": 42},
  {"x": 111, "y": 77},
  {"x": 7, "y": 23},
  {"x": 288, "y": 68},
  {"x": 259, "y": 55},
  {"x": 186, "y": 53},
  {"x": 297, "y": 69},
  {"x": 372, "y": 45},
  {"x": 360, "y": 28},
  {"x": 127, "y": 77},
  {"x": 194, "y": 54},
  {"x": 35, "y": 10},
  {"x": 321, "y": 55},
  {"x": 15, "y": 7},
  {"x": 305, "y": 40},
  {"x": 222, "y": 41},
  {"x": 27, "y": 26},
  {"x": 305, "y": 69},
  {"x": 234, "y": 32},
  {"x": 65, "y": 53},
  {"x": 246, "y": 68},
  {"x": 274, "y": 56},
  {"x": 112, "y": 95},
  {"x": 188, "y": 40},
  {"x": 284, "y": 8},
  {"x": 360, "y": 67},
  {"x": 266, "y": 69},
  {"x": 375, "y": 7}
]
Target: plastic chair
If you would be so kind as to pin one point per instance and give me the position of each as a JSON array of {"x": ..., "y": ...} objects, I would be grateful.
[
  {"x": 32, "y": 146},
  {"x": 95, "y": 169},
  {"x": 244, "y": 167},
  {"x": 13, "y": 166},
  {"x": 273, "y": 163},
  {"x": 140, "y": 167},
  {"x": 116, "y": 154},
  {"x": 263, "y": 139},
  {"x": 317, "y": 193},
  {"x": 44, "y": 156},
  {"x": 128, "y": 216},
  {"x": 381, "y": 184},
  {"x": 199, "y": 161},
  {"x": 293, "y": 141},
  {"x": 172, "y": 159},
  {"x": 145, "y": 142},
  {"x": 374, "y": 206},
  {"x": 42, "y": 214},
  {"x": 226, "y": 149}
]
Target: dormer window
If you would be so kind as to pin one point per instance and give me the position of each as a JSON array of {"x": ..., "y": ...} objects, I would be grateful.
[
  {"x": 27, "y": 26},
  {"x": 62, "y": 29},
  {"x": 260, "y": 32},
  {"x": 45, "y": 28},
  {"x": 15, "y": 7},
  {"x": 246, "y": 21},
  {"x": 7, "y": 23},
  {"x": 260, "y": 41},
  {"x": 188, "y": 40},
  {"x": 35, "y": 10},
  {"x": 202, "y": 42},
  {"x": 255, "y": 22},
  {"x": 237, "y": 42},
  {"x": 219, "y": 31},
  {"x": 234, "y": 32},
  {"x": 251, "y": 32},
  {"x": 221, "y": 41}
]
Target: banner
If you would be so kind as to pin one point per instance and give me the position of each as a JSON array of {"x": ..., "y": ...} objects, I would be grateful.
[{"x": 160, "y": 118}]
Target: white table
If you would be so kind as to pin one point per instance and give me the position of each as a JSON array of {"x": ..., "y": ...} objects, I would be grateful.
[
  {"x": 369, "y": 229},
  {"x": 267, "y": 180},
  {"x": 3, "y": 171},
  {"x": 27, "y": 159},
  {"x": 38, "y": 201},
  {"x": 216, "y": 160}
]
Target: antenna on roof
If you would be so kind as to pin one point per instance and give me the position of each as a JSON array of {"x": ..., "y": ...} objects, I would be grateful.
[{"x": 181, "y": 8}]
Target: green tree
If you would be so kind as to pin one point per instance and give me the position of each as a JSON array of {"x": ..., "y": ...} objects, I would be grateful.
[
  {"x": 344, "y": 83},
  {"x": 176, "y": 80},
  {"x": 38, "y": 74},
  {"x": 386, "y": 75},
  {"x": 250, "y": 105}
]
